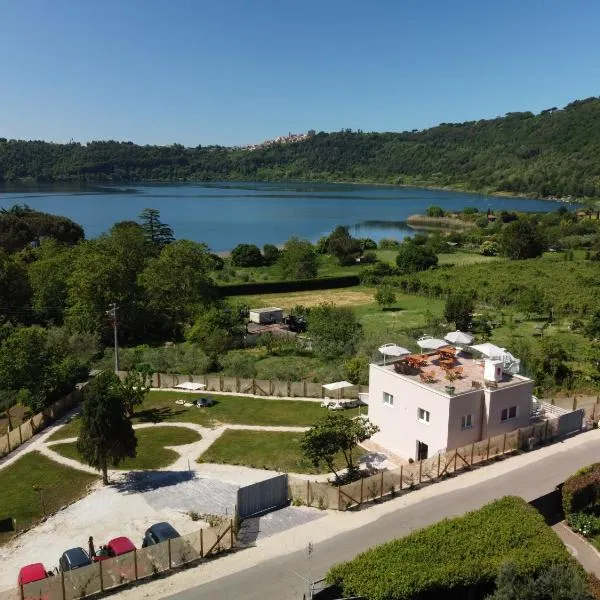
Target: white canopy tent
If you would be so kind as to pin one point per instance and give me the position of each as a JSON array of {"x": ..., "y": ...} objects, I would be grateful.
[
  {"x": 459, "y": 337},
  {"x": 392, "y": 350},
  {"x": 337, "y": 386},
  {"x": 190, "y": 386},
  {"x": 429, "y": 343}
]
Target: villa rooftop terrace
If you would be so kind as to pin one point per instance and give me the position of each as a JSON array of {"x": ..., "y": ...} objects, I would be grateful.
[{"x": 445, "y": 368}]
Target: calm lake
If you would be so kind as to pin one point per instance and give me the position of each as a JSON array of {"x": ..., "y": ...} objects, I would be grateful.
[{"x": 225, "y": 214}]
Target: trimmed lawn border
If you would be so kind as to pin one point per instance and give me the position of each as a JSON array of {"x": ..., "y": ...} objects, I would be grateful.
[{"x": 151, "y": 450}]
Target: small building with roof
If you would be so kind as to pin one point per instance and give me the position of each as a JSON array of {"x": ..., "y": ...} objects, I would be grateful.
[{"x": 446, "y": 398}]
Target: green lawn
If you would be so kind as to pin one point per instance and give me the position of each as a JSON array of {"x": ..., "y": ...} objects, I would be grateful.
[
  {"x": 59, "y": 485},
  {"x": 328, "y": 267},
  {"x": 151, "y": 451},
  {"x": 273, "y": 450},
  {"x": 408, "y": 312},
  {"x": 160, "y": 406},
  {"x": 452, "y": 258}
]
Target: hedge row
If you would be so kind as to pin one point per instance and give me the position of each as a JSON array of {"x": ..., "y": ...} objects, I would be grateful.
[
  {"x": 581, "y": 490},
  {"x": 295, "y": 285},
  {"x": 457, "y": 558}
]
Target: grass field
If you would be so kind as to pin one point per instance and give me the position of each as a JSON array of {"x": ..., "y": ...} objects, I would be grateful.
[
  {"x": 160, "y": 406},
  {"x": 408, "y": 312},
  {"x": 58, "y": 485},
  {"x": 328, "y": 267},
  {"x": 453, "y": 258},
  {"x": 273, "y": 450},
  {"x": 151, "y": 451}
]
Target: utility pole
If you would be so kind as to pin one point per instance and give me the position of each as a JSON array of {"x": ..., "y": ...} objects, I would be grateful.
[{"x": 113, "y": 314}]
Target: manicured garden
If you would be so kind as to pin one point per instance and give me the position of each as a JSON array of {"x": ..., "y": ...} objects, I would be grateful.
[
  {"x": 35, "y": 486},
  {"x": 456, "y": 558},
  {"x": 273, "y": 450},
  {"x": 240, "y": 410},
  {"x": 152, "y": 452}
]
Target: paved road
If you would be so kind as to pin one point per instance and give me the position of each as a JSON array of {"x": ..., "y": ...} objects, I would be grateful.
[{"x": 281, "y": 578}]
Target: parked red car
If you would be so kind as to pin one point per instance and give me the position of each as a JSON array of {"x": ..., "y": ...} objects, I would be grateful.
[
  {"x": 116, "y": 547},
  {"x": 31, "y": 573}
]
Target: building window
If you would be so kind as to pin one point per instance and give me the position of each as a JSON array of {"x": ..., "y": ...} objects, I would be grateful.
[
  {"x": 508, "y": 413},
  {"x": 423, "y": 415},
  {"x": 388, "y": 399},
  {"x": 466, "y": 422}
]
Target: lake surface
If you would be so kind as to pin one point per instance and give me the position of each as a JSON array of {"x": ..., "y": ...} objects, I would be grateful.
[{"x": 226, "y": 214}]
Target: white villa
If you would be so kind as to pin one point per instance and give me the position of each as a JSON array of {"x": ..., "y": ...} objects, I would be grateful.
[{"x": 444, "y": 399}]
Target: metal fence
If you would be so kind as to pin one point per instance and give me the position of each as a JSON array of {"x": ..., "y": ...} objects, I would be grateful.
[
  {"x": 407, "y": 477},
  {"x": 121, "y": 570},
  {"x": 19, "y": 435},
  {"x": 262, "y": 496},
  {"x": 256, "y": 387}
]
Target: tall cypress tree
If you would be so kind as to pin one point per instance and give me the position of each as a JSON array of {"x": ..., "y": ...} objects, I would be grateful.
[{"x": 106, "y": 436}]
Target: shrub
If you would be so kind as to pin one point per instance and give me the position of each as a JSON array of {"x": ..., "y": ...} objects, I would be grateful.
[
  {"x": 388, "y": 244},
  {"x": 246, "y": 255},
  {"x": 586, "y": 524},
  {"x": 435, "y": 211},
  {"x": 581, "y": 490},
  {"x": 461, "y": 556}
]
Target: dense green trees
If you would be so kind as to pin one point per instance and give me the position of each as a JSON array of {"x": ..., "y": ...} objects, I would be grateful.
[
  {"x": 413, "y": 257},
  {"x": 35, "y": 369},
  {"x": 246, "y": 255},
  {"x": 459, "y": 310},
  {"x": 21, "y": 226},
  {"x": 520, "y": 153},
  {"x": 334, "y": 331},
  {"x": 522, "y": 239},
  {"x": 343, "y": 246},
  {"x": 298, "y": 259}
]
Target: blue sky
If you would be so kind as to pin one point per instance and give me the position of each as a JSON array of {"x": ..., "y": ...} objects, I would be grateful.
[{"x": 241, "y": 71}]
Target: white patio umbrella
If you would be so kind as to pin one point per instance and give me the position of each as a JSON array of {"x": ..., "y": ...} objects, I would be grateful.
[
  {"x": 431, "y": 343},
  {"x": 489, "y": 350},
  {"x": 337, "y": 385},
  {"x": 392, "y": 350},
  {"x": 459, "y": 337}
]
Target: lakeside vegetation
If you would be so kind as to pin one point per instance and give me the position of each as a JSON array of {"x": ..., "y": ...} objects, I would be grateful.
[
  {"x": 551, "y": 154},
  {"x": 526, "y": 281}
]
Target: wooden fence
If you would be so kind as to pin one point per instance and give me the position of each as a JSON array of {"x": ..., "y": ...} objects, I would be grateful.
[
  {"x": 407, "y": 477},
  {"x": 256, "y": 387},
  {"x": 25, "y": 431},
  {"x": 113, "y": 573}
]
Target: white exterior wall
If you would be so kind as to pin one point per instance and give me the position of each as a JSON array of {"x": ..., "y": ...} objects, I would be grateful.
[
  {"x": 274, "y": 315},
  {"x": 399, "y": 425},
  {"x": 469, "y": 403},
  {"x": 496, "y": 400}
]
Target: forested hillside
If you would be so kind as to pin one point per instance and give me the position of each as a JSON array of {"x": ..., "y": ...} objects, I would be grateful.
[{"x": 554, "y": 153}]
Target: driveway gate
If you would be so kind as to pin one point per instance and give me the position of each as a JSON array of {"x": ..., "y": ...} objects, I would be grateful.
[{"x": 263, "y": 496}]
